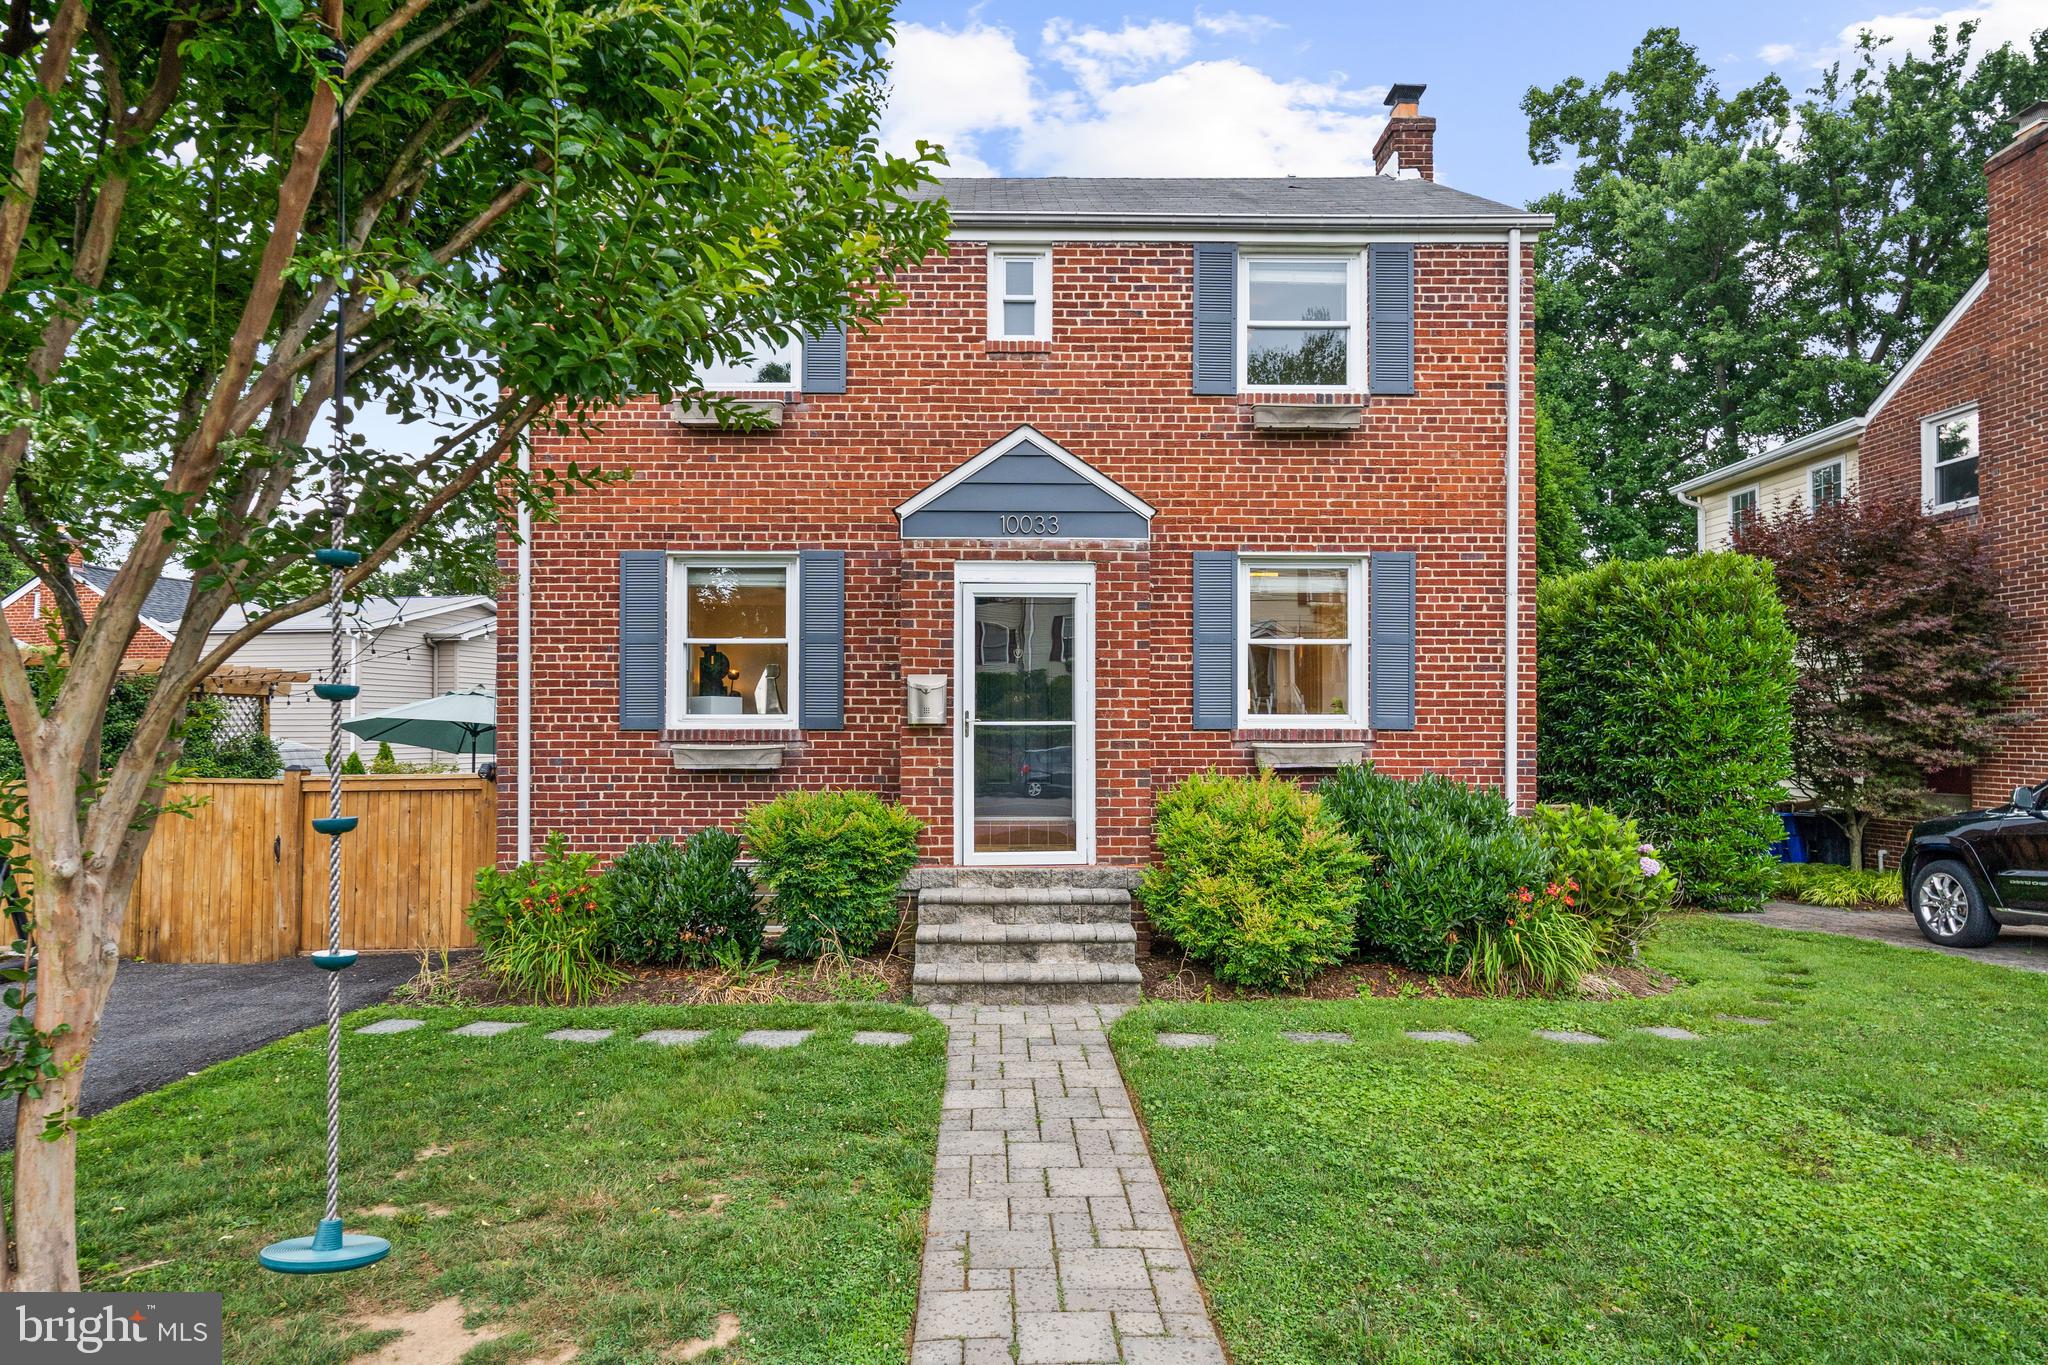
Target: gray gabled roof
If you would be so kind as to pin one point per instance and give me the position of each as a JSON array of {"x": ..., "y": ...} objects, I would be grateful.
[
  {"x": 165, "y": 604},
  {"x": 1220, "y": 202}
]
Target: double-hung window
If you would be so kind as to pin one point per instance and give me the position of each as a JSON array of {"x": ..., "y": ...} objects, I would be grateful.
[
  {"x": 1301, "y": 659},
  {"x": 732, "y": 640},
  {"x": 1948, "y": 460},
  {"x": 764, "y": 365},
  {"x": 1825, "y": 483},
  {"x": 1741, "y": 509},
  {"x": 1300, "y": 323},
  {"x": 1020, "y": 294}
]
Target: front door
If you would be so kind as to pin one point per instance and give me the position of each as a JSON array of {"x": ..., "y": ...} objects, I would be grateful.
[{"x": 1025, "y": 757}]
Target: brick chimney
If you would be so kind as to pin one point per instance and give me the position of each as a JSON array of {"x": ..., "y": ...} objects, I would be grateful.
[
  {"x": 1407, "y": 147},
  {"x": 2016, "y": 186}
]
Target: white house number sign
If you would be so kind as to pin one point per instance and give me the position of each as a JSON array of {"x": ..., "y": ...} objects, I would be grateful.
[{"x": 1029, "y": 524}]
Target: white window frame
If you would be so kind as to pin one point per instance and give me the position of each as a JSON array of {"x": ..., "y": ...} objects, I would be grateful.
[
  {"x": 795, "y": 349},
  {"x": 1755, "y": 494},
  {"x": 1929, "y": 446},
  {"x": 1354, "y": 568},
  {"x": 1841, "y": 481},
  {"x": 679, "y": 648},
  {"x": 1354, "y": 318},
  {"x": 1040, "y": 297}
]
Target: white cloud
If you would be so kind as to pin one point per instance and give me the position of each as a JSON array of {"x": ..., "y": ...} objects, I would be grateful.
[
  {"x": 1231, "y": 24},
  {"x": 1136, "y": 100},
  {"x": 1910, "y": 30}
]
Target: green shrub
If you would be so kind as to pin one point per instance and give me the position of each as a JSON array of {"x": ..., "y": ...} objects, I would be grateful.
[
  {"x": 386, "y": 762},
  {"x": 1617, "y": 880},
  {"x": 1255, "y": 877},
  {"x": 670, "y": 903},
  {"x": 352, "y": 766},
  {"x": 540, "y": 927},
  {"x": 1541, "y": 946},
  {"x": 1446, "y": 859},
  {"x": 1828, "y": 884},
  {"x": 835, "y": 861},
  {"x": 1664, "y": 694},
  {"x": 250, "y": 755}
]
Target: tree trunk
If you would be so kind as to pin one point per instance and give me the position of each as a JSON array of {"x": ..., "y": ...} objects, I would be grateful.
[
  {"x": 1854, "y": 827},
  {"x": 77, "y": 929}
]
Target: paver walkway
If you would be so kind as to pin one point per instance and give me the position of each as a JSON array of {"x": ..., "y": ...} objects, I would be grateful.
[{"x": 1049, "y": 1229}]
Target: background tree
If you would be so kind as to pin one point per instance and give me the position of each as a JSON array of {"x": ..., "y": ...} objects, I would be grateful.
[
  {"x": 1564, "y": 499},
  {"x": 1901, "y": 653},
  {"x": 552, "y": 206},
  {"x": 1730, "y": 269}
]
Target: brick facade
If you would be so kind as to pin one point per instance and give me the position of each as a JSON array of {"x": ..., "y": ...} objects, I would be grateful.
[
  {"x": 30, "y": 616},
  {"x": 926, "y": 391},
  {"x": 1996, "y": 357}
]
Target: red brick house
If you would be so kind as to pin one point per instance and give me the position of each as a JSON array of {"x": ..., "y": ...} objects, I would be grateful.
[
  {"x": 1147, "y": 477},
  {"x": 31, "y": 613},
  {"x": 1963, "y": 428}
]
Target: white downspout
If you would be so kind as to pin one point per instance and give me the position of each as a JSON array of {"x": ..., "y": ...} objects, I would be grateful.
[
  {"x": 1512, "y": 719},
  {"x": 524, "y": 666}
]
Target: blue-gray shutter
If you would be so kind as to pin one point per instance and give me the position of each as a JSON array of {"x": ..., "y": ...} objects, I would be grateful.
[
  {"x": 1390, "y": 657},
  {"x": 643, "y": 638},
  {"x": 821, "y": 640},
  {"x": 1215, "y": 658},
  {"x": 1215, "y": 317},
  {"x": 1390, "y": 304},
  {"x": 825, "y": 361}
]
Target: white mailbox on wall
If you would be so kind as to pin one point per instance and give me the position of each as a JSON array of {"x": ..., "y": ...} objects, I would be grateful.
[{"x": 925, "y": 699}]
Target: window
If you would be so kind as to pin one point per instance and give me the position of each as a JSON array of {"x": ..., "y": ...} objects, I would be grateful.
[
  {"x": 768, "y": 366},
  {"x": 1741, "y": 509},
  {"x": 1948, "y": 460},
  {"x": 1020, "y": 295},
  {"x": 732, "y": 641},
  {"x": 1299, "y": 315},
  {"x": 1302, "y": 656},
  {"x": 1826, "y": 483},
  {"x": 998, "y": 643}
]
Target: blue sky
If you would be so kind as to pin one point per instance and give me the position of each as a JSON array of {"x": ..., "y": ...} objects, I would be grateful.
[{"x": 1248, "y": 87}]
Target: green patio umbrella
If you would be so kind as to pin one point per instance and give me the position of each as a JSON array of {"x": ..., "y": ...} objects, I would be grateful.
[{"x": 454, "y": 723}]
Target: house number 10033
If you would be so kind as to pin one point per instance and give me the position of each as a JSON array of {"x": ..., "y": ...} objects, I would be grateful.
[{"x": 1029, "y": 525}]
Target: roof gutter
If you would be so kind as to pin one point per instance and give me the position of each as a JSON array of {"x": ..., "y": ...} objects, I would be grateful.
[{"x": 1841, "y": 433}]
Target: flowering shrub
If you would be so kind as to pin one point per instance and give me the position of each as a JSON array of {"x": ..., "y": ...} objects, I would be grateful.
[
  {"x": 679, "y": 903},
  {"x": 540, "y": 926},
  {"x": 1621, "y": 882},
  {"x": 1541, "y": 945}
]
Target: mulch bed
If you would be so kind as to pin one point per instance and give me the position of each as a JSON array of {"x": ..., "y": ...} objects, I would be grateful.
[{"x": 1168, "y": 975}]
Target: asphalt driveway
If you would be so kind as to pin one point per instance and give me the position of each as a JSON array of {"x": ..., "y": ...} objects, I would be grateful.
[
  {"x": 2023, "y": 947},
  {"x": 165, "y": 1020}
]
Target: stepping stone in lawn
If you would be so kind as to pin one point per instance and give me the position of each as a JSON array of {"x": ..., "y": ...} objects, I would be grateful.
[
  {"x": 1677, "y": 1035},
  {"x": 580, "y": 1035},
  {"x": 1187, "y": 1040},
  {"x": 1440, "y": 1035},
  {"x": 774, "y": 1037},
  {"x": 881, "y": 1038},
  {"x": 675, "y": 1037},
  {"x": 1317, "y": 1037},
  {"x": 1567, "y": 1035},
  {"x": 485, "y": 1028},
  {"x": 1749, "y": 1019},
  {"x": 391, "y": 1026}
]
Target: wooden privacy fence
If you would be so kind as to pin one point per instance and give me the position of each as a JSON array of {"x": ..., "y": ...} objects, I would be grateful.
[{"x": 242, "y": 877}]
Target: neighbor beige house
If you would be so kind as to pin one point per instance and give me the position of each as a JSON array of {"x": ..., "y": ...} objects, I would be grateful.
[{"x": 1814, "y": 469}]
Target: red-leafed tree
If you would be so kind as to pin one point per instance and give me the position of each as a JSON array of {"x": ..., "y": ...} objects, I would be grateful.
[{"x": 1902, "y": 665}]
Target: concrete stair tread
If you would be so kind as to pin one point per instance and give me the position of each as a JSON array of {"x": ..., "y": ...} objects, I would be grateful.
[
  {"x": 1024, "y": 973},
  {"x": 1108, "y": 931},
  {"x": 1024, "y": 895}
]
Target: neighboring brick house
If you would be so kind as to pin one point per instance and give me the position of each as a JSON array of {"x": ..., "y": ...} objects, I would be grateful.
[
  {"x": 31, "y": 613},
  {"x": 1963, "y": 428},
  {"x": 1147, "y": 476}
]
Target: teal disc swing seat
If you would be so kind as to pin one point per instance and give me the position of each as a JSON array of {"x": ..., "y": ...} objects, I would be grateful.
[{"x": 331, "y": 1249}]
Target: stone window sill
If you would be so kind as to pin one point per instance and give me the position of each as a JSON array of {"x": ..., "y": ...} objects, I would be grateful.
[
  {"x": 1289, "y": 418},
  {"x": 698, "y": 417},
  {"x": 726, "y": 756},
  {"x": 1323, "y": 751}
]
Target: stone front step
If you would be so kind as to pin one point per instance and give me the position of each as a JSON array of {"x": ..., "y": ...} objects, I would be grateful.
[
  {"x": 1024, "y": 983},
  {"x": 1025, "y": 905},
  {"x": 951, "y": 943}
]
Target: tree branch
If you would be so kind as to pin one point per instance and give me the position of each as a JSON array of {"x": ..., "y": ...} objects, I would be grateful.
[
  {"x": 405, "y": 53},
  {"x": 33, "y": 137},
  {"x": 377, "y": 37}
]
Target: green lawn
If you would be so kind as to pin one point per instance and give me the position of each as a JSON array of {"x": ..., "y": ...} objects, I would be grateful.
[
  {"x": 1864, "y": 1180},
  {"x": 615, "y": 1197}
]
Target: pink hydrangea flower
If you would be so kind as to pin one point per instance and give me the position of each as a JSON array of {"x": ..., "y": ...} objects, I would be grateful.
[
  {"x": 1646, "y": 849},
  {"x": 1651, "y": 867}
]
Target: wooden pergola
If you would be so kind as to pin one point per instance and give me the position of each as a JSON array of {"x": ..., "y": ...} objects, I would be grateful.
[{"x": 231, "y": 680}]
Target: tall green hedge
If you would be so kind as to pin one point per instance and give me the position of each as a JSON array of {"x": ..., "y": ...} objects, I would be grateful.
[{"x": 1664, "y": 693}]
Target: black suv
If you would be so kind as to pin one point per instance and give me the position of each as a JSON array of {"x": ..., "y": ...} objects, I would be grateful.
[{"x": 1969, "y": 875}]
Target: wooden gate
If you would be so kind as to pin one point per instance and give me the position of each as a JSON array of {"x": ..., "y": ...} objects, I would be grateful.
[{"x": 241, "y": 877}]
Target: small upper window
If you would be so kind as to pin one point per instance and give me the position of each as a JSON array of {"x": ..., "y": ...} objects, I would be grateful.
[
  {"x": 1948, "y": 460},
  {"x": 766, "y": 366},
  {"x": 1826, "y": 483},
  {"x": 1020, "y": 295},
  {"x": 1299, "y": 315},
  {"x": 1741, "y": 509}
]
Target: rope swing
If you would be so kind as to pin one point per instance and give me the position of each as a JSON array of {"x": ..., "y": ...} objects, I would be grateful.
[{"x": 329, "y": 1248}]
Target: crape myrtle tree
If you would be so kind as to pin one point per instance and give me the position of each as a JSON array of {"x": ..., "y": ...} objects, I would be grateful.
[
  {"x": 1902, "y": 669},
  {"x": 551, "y": 206}
]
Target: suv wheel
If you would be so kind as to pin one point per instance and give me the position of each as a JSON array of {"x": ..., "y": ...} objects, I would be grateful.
[{"x": 1949, "y": 908}]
